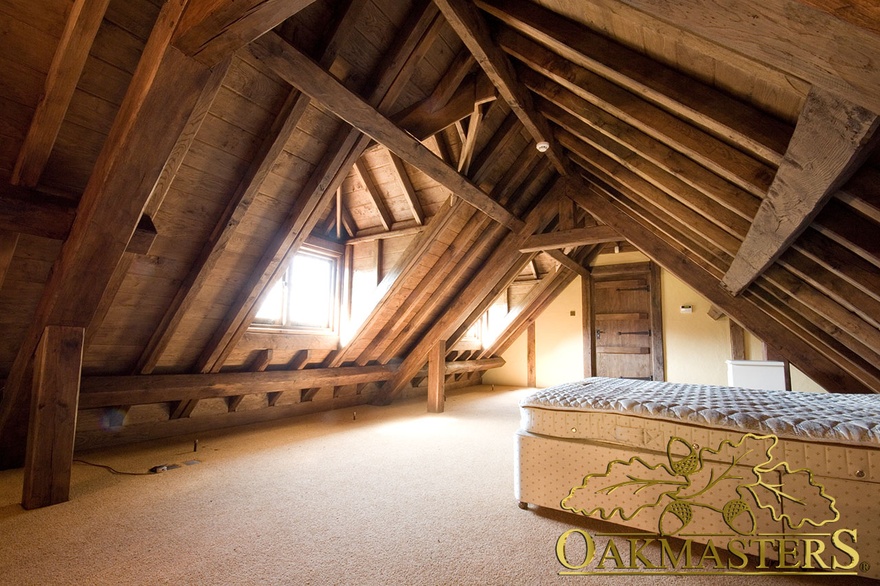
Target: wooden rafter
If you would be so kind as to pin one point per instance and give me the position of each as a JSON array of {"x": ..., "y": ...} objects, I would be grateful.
[
  {"x": 111, "y": 206},
  {"x": 300, "y": 71},
  {"x": 213, "y": 29},
  {"x": 162, "y": 186},
  {"x": 665, "y": 166},
  {"x": 471, "y": 27},
  {"x": 831, "y": 140},
  {"x": 70, "y": 57},
  {"x": 734, "y": 165},
  {"x": 750, "y": 311},
  {"x": 375, "y": 194},
  {"x": 503, "y": 260},
  {"x": 270, "y": 150},
  {"x": 409, "y": 192},
  {"x": 344, "y": 150},
  {"x": 573, "y": 237},
  {"x": 568, "y": 262},
  {"x": 691, "y": 99}
]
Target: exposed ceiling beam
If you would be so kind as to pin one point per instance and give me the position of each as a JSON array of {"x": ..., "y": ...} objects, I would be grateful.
[
  {"x": 302, "y": 72},
  {"x": 559, "y": 99},
  {"x": 467, "y": 21},
  {"x": 211, "y": 30},
  {"x": 105, "y": 391},
  {"x": 163, "y": 91},
  {"x": 745, "y": 310},
  {"x": 811, "y": 41},
  {"x": 831, "y": 140},
  {"x": 737, "y": 121},
  {"x": 70, "y": 57},
  {"x": 572, "y": 237}
]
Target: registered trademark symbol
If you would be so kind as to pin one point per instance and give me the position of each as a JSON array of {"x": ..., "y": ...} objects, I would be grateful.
[{"x": 864, "y": 566}]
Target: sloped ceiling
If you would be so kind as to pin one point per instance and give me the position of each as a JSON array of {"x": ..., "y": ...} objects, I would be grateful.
[{"x": 160, "y": 161}]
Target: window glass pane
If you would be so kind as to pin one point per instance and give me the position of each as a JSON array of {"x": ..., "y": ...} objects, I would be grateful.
[
  {"x": 271, "y": 308},
  {"x": 312, "y": 284}
]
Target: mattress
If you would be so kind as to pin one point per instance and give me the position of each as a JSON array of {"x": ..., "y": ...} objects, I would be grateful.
[{"x": 578, "y": 437}]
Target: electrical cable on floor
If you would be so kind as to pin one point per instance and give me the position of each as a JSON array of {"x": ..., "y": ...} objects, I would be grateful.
[{"x": 114, "y": 470}]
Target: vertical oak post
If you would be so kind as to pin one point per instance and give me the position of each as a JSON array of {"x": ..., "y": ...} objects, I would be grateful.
[
  {"x": 436, "y": 377},
  {"x": 49, "y": 453},
  {"x": 587, "y": 318},
  {"x": 737, "y": 341},
  {"x": 531, "y": 356}
]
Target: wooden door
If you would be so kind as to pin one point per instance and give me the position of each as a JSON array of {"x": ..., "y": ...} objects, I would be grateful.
[{"x": 626, "y": 322}]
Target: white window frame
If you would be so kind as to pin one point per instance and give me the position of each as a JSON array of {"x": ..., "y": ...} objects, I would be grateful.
[{"x": 283, "y": 324}]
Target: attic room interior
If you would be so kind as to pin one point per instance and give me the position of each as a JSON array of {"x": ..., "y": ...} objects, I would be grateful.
[{"x": 221, "y": 216}]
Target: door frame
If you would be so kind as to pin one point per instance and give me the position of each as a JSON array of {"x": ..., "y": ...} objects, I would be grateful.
[{"x": 648, "y": 270}]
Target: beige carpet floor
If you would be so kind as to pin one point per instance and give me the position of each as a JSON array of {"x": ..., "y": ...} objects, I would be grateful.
[{"x": 370, "y": 495}]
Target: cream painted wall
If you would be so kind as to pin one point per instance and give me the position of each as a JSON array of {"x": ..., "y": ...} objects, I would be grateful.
[
  {"x": 558, "y": 341},
  {"x": 696, "y": 347}
]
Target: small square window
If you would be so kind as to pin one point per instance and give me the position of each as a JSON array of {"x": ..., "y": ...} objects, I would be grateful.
[{"x": 306, "y": 297}]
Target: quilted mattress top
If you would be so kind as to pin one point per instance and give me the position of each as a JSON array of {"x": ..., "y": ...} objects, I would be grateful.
[{"x": 808, "y": 416}]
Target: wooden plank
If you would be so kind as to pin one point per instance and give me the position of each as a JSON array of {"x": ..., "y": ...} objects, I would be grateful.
[
  {"x": 272, "y": 147},
  {"x": 620, "y": 316},
  {"x": 811, "y": 360},
  {"x": 162, "y": 93},
  {"x": 466, "y": 20},
  {"x": 82, "y": 25},
  {"x": 531, "y": 360},
  {"x": 300, "y": 71},
  {"x": 52, "y": 428},
  {"x": 436, "y": 379},
  {"x": 572, "y": 237},
  {"x": 830, "y": 141},
  {"x": 738, "y": 122},
  {"x": 375, "y": 195},
  {"x": 811, "y": 40},
  {"x": 211, "y": 30}
]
